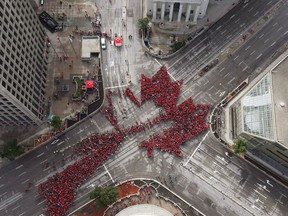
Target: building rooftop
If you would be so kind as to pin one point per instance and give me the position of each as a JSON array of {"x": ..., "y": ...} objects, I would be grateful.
[
  {"x": 280, "y": 95},
  {"x": 90, "y": 45},
  {"x": 144, "y": 210}
]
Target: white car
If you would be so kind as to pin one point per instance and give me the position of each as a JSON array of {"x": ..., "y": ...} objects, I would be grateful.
[{"x": 103, "y": 43}]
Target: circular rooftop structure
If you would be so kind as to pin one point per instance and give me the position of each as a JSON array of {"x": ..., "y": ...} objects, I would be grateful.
[{"x": 144, "y": 210}]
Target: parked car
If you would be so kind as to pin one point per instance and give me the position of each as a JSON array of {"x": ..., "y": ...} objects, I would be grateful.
[
  {"x": 103, "y": 43},
  {"x": 48, "y": 21}
]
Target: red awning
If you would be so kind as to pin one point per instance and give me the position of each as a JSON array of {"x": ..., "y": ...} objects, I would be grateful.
[
  {"x": 118, "y": 41},
  {"x": 89, "y": 83}
]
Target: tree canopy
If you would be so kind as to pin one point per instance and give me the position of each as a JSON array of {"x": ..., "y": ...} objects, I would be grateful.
[
  {"x": 239, "y": 145},
  {"x": 104, "y": 196},
  {"x": 143, "y": 23},
  {"x": 12, "y": 150},
  {"x": 176, "y": 46},
  {"x": 56, "y": 122}
]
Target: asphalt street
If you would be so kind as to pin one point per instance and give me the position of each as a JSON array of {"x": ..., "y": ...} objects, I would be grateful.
[
  {"x": 208, "y": 179},
  {"x": 204, "y": 48}
]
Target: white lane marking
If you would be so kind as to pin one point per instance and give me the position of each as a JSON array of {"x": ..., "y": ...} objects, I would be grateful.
[
  {"x": 269, "y": 3},
  {"x": 252, "y": 53},
  {"x": 19, "y": 167},
  {"x": 275, "y": 24},
  {"x": 40, "y": 154},
  {"x": 10, "y": 200},
  {"x": 260, "y": 193},
  {"x": 232, "y": 16},
  {"x": 247, "y": 47},
  {"x": 15, "y": 207},
  {"x": 285, "y": 32},
  {"x": 218, "y": 27},
  {"x": 25, "y": 181},
  {"x": 23, "y": 173},
  {"x": 223, "y": 32},
  {"x": 266, "y": 40},
  {"x": 268, "y": 182},
  {"x": 3, "y": 194},
  {"x": 236, "y": 57},
  {"x": 253, "y": 206},
  {"x": 237, "y": 20},
  {"x": 263, "y": 187},
  {"x": 22, "y": 214},
  {"x": 256, "y": 13},
  {"x": 227, "y": 74},
  {"x": 232, "y": 80},
  {"x": 120, "y": 86},
  {"x": 244, "y": 69},
  {"x": 157, "y": 62},
  {"x": 273, "y": 43},
  {"x": 196, "y": 148},
  {"x": 222, "y": 69},
  {"x": 261, "y": 36},
  {"x": 259, "y": 56},
  {"x": 171, "y": 76},
  {"x": 279, "y": 29},
  {"x": 258, "y": 200},
  {"x": 250, "y": 9},
  {"x": 41, "y": 202},
  {"x": 55, "y": 141},
  {"x": 43, "y": 161},
  {"x": 60, "y": 143}
]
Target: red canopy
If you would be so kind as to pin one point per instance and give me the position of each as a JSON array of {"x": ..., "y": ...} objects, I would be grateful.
[
  {"x": 118, "y": 41},
  {"x": 89, "y": 83}
]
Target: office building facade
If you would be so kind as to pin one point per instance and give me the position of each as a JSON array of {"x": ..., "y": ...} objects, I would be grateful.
[
  {"x": 177, "y": 11},
  {"x": 23, "y": 64}
]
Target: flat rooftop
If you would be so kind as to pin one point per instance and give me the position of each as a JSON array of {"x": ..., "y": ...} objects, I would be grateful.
[
  {"x": 144, "y": 210},
  {"x": 90, "y": 44},
  {"x": 279, "y": 78}
]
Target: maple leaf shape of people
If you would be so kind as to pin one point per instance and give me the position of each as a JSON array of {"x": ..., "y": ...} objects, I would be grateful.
[{"x": 188, "y": 120}]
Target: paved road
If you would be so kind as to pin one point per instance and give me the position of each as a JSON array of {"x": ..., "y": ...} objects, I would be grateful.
[
  {"x": 237, "y": 179},
  {"x": 195, "y": 186},
  {"x": 212, "y": 41}
]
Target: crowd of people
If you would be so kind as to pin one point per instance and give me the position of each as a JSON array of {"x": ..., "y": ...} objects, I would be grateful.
[
  {"x": 188, "y": 120},
  {"x": 108, "y": 111},
  {"x": 60, "y": 190},
  {"x": 130, "y": 94}
]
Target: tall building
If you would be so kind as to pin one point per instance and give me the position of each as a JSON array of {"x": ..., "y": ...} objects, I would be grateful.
[
  {"x": 177, "y": 11},
  {"x": 23, "y": 64},
  {"x": 260, "y": 117}
]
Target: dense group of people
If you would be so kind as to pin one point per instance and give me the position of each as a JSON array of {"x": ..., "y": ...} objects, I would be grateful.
[
  {"x": 130, "y": 94},
  {"x": 188, "y": 120},
  {"x": 60, "y": 190}
]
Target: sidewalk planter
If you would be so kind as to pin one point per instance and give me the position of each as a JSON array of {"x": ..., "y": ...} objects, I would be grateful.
[{"x": 79, "y": 81}]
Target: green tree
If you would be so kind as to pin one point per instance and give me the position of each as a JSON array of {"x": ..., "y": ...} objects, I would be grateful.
[
  {"x": 104, "y": 196},
  {"x": 176, "y": 46},
  {"x": 239, "y": 145},
  {"x": 56, "y": 122},
  {"x": 12, "y": 150},
  {"x": 143, "y": 23}
]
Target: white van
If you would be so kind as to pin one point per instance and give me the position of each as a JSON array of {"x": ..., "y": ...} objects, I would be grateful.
[{"x": 103, "y": 43}]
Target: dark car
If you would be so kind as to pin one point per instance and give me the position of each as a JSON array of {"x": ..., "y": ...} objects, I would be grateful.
[{"x": 48, "y": 21}]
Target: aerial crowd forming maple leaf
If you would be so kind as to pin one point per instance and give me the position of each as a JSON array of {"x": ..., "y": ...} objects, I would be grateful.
[{"x": 188, "y": 121}]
